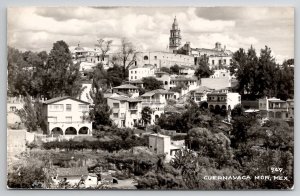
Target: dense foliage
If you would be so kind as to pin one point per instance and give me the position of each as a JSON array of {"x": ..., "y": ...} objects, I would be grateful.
[{"x": 262, "y": 76}]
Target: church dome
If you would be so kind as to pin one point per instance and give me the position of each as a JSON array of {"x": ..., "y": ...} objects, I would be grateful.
[{"x": 79, "y": 48}]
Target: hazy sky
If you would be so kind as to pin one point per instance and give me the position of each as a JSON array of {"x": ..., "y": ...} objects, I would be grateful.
[{"x": 37, "y": 28}]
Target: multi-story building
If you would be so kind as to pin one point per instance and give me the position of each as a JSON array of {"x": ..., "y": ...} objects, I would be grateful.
[
  {"x": 276, "y": 108},
  {"x": 161, "y": 59},
  {"x": 165, "y": 78},
  {"x": 189, "y": 82},
  {"x": 162, "y": 144},
  {"x": 186, "y": 70},
  {"x": 218, "y": 100},
  {"x": 200, "y": 94},
  {"x": 156, "y": 100},
  {"x": 127, "y": 90},
  {"x": 67, "y": 116},
  {"x": 140, "y": 72},
  {"x": 126, "y": 112}
]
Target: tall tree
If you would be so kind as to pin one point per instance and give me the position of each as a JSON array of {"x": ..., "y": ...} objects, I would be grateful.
[
  {"x": 146, "y": 115},
  {"x": 126, "y": 56},
  {"x": 203, "y": 70},
  {"x": 60, "y": 75},
  {"x": 28, "y": 115},
  {"x": 151, "y": 83},
  {"x": 100, "y": 112}
]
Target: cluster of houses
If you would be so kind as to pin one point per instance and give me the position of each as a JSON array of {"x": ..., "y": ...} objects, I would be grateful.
[{"x": 68, "y": 116}]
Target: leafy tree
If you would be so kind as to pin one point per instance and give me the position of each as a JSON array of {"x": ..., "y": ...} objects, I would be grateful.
[
  {"x": 165, "y": 69},
  {"x": 151, "y": 83},
  {"x": 146, "y": 115},
  {"x": 28, "y": 115},
  {"x": 100, "y": 112},
  {"x": 115, "y": 76},
  {"x": 203, "y": 70},
  {"x": 238, "y": 110},
  {"x": 58, "y": 76},
  {"x": 174, "y": 69}
]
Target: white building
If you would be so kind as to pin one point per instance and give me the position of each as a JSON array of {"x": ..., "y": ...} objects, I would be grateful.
[
  {"x": 164, "y": 59},
  {"x": 126, "y": 112},
  {"x": 127, "y": 90},
  {"x": 162, "y": 144},
  {"x": 188, "y": 82},
  {"x": 140, "y": 72},
  {"x": 187, "y": 70},
  {"x": 200, "y": 94},
  {"x": 223, "y": 100},
  {"x": 67, "y": 116},
  {"x": 276, "y": 108},
  {"x": 156, "y": 100}
]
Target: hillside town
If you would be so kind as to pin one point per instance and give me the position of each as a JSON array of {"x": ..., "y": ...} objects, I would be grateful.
[{"x": 90, "y": 117}]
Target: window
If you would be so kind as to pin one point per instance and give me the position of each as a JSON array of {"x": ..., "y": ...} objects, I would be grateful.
[
  {"x": 52, "y": 119},
  {"x": 132, "y": 72},
  {"x": 135, "y": 77},
  {"x": 83, "y": 107},
  {"x": 220, "y": 62},
  {"x": 12, "y": 108},
  {"x": 68, "y": 107},
  {"x": 155, "y": 57},
  {"x": 224, "y": 61},
  {"x": 56, "y": 108},
  {"x": 213, "y": 62},
  {"x": 69, "y": 119},
  {"x": 116, "y": 105},
  {"x": 115, "y": 115},
  {"x": 146, "y": 58}
]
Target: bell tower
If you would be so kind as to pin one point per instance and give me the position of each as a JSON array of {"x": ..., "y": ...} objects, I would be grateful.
[{"x": 175, "y": 37}]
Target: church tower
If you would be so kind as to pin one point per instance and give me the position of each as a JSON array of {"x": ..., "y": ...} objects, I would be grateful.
[{"x": 175, "y": 37}]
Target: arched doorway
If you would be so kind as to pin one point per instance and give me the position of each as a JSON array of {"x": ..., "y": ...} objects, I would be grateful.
[
  {"x": 83, "y": 131},
  {"x": 271, "y": 114},
  {"x": 204, "y": 105},
  {"x": 211, "y": 108},
  {"x": 71, "y": 131},
  {"x": 57, "y": 131},
  {"x": 223, "y": 111},
  {"x": 217, "y": 109}
]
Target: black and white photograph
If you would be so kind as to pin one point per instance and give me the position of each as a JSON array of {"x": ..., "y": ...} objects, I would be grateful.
[{"x": 150, "y": 98}]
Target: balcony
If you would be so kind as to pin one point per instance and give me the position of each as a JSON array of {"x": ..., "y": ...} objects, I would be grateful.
[{"x": 133, "y": 108}]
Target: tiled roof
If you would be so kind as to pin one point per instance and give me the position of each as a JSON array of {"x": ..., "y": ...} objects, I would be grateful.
[
  {"x": 57, "y": 99},
  {"x": 183, "y": 78},
  {"x": 73, "y": 171},
  {"x": 202, "y": 89},
  {"x": 123, "y": 98},
  {"x": 126, "y": 86},
  {"x": 157, "y": 91}
]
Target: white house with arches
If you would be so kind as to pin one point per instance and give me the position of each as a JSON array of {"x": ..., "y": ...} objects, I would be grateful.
[{"x": 67, "y": 116}]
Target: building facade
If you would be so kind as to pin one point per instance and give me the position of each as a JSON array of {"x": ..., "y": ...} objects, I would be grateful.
[
  {"x": 67, "y": 116},
  {"x": 140, "y": 72},
  {"x": 156, "y": 100},
  {"x": 219, "y": 100},
  {"x": 127, "y": 89},
  {"x": 161, "y": 59},
  {"x": 126, "y": 112},
  {"x": 162, "y": 144},
  {"x": 276, "y": 108}
]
